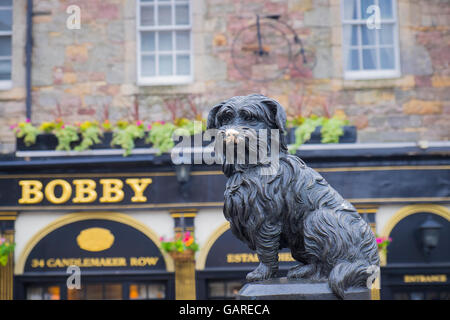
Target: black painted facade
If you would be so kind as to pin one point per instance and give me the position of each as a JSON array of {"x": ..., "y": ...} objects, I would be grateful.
[{"x": 365, "y": 175}]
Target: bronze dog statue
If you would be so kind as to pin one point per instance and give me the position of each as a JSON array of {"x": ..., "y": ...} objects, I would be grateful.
[{"x": 293, "y": 207}]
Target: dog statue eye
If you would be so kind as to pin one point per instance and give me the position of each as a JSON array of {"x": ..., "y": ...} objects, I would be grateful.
[
  {"x": 226, "y": 117},
  {"x": 247, "y": 116}
]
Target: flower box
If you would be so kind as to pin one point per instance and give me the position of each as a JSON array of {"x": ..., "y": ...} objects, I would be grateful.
[
  {"x": 44, "y": 141},
  {"x": 48, "y": 142},
  {"x": 183, "y": 256},
  {"x": 349, "y": 135}
]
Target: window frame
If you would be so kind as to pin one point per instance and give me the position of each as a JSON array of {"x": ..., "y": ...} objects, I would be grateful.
[
  {"x": 163, "y": 80},
  {"x": 376, "y": 73},
  {"x": 7, "y": 84}
]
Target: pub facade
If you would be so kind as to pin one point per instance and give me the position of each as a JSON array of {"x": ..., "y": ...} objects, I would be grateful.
[
  {"x": 98, "y": 217},
  {"x": 106, "y": 215}
]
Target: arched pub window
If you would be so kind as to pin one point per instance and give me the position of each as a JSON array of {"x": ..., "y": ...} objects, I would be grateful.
[
  {"x": 115, "y": 260},
  {"x": 222, "y": 268},
  {"x": 411, "y": 273}
]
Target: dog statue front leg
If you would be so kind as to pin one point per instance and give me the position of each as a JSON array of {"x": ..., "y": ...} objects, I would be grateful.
[{"x": 267, "y": 246}]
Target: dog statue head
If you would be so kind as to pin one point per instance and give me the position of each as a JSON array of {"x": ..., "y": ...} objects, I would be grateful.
[{"x": 244, "y": 118}]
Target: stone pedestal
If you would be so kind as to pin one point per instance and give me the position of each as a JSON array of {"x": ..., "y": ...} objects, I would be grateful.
[{"x": 284, "y": 289}]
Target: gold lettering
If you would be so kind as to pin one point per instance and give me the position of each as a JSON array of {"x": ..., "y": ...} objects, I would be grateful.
[
  {"x": 31, "y": 191},
  {"x": 112, "y": 190},
  {"x": 50, "y": 191},
  {"x": 143, "y": 261},
  {"x": 93, "y": 262},
  {"x": 51, "y": 263},
  {"x": 37, "y": 263},
  {"x": 285, "y": 256},
  {"x": 419, "y": 278},
  {"x": 139, "y": 186},
  {"x": 253, "y": 257},
  {"x": 84, "y": 191}
]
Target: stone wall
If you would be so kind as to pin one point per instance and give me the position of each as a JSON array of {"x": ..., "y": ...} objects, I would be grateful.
[{"x": 77, "y": 73}]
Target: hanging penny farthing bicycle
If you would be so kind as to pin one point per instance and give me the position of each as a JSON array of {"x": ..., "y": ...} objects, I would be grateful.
[{"x": 268, "y": 49}]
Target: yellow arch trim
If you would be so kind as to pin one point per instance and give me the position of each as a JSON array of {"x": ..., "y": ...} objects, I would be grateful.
[
  {"x": 79, "y": 216},
  {"x": 409, "y": 210},
  {"x": 203, "y": 254}
]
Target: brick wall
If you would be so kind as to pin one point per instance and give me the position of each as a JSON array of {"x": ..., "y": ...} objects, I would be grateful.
[{"x": 81, "y": 71}]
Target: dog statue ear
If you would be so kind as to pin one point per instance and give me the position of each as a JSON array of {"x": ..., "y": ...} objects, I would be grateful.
[
  {"x": 278, "y": 113},
  {"x": 211, "y": 122}
]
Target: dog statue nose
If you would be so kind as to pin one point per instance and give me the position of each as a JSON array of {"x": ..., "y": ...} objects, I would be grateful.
[{"x": 231, "y": 135}]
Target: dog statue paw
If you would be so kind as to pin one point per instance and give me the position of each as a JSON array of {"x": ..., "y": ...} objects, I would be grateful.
[
  {"x": 273, "y": 199},
  {"x": 262, "y": 272}
]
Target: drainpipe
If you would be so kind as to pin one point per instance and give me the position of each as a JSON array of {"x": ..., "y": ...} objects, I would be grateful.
[{"x": 28, "y": 56}]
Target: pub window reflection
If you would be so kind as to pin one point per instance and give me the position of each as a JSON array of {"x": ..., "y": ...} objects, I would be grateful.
[
  {"x": 147, "y": 291},
  {"x": 416, "y": 295},
  {"x": 43, "y": 293},
  {"x": 75, "y": 294},
  {"x": 223, "y": 289},
  {"x": 96, "y": 291}
]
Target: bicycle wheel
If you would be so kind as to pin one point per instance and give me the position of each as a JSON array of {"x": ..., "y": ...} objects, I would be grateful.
[
  {"x": 304, "y": 62},
  {"x": 263, "y": 60}
]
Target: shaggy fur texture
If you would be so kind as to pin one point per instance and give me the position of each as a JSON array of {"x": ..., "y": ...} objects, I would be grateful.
[{"x": 294, "y": 207}]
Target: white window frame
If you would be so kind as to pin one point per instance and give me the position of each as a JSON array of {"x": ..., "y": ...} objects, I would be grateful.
[
  {"x": 163, "y": 80},
  {"x": 377, "y": 73},
  {"x": 7, "y": 84}
]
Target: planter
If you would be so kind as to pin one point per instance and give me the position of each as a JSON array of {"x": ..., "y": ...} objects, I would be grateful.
[
  {"x": 107, "y": 138},
  {"x": 184, "y": 274},
  {"x": 184, "y": 256},
  {"x": 105, "y": 142},
  {"x": 49, "y": 142},
  {"x": 349, "y": 135},
  {"x": 383, "y": 257},
  {"x": 44, "y": 142}
]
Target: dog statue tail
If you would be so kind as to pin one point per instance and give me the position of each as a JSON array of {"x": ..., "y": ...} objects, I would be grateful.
[{"x": 347, "y": 274}]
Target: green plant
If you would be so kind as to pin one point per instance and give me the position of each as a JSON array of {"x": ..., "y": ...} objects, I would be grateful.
[
  {"x": 383, "y": 243},
  {"x": 189, "y": 127},
  {"x": 48, "y": 127},
  {"x": 180, "y": 243},
  {"x": 106, "y": 125},
  {"x": 160, "y": 135},
  {"x": 332, "y": 129},
  {"x": 5, "y": 249},
  {"x": 26, "y": 131},
  {"x": 90, "y": 134},
  {"x": 125, "y": 133},
  {"x": 66, "y": 134}
]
